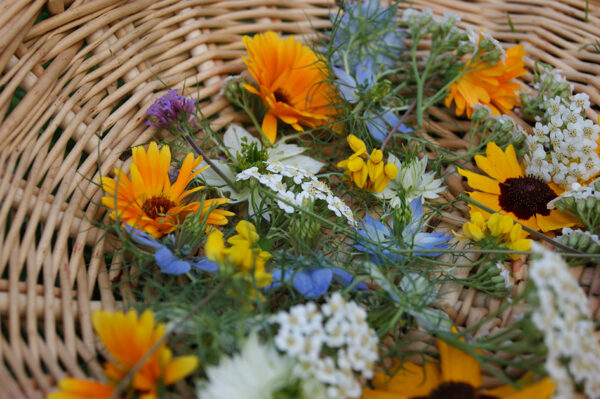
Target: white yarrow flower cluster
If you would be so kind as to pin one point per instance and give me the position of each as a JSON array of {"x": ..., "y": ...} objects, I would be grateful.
[
  {"x": 563, "y": 149},
  {"x": 339, "y": 327},
  {"x": 312, "y": 189},
  {"x": 563, "y": 316},
  {"x": 234, "y": 140}
]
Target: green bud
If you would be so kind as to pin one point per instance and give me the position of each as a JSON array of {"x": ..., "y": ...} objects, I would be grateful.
[
  {"x": 233, "y": 89},
  {"x": 580, "y": 206},
  {"x": 590, "y": 203}
]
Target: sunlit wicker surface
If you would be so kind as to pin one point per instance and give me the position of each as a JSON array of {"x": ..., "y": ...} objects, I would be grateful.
[{"x": 88, "y": 73}]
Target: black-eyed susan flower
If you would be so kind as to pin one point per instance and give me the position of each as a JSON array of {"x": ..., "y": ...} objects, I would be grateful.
[
  {"x": 458, "y": 376},
  {"x": 243, "y": 255},
  {"x": 292, "y": 82},
  {"x": 507, "y": 190},
  {"x": 497, "y": 230},
  {"x": 489, "y": 85},
  {"x": 150, "y": 202},
  {"x": 128, "y": 338},
  {"x": 368, "y": 172}
]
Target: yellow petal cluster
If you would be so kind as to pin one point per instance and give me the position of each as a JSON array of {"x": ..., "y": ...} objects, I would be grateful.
[
  {"x": 128, "y": 338},
  {"x": 500, "y": 228},
  {"x": 243, "y": 254},
  {"x": 368, "y": 172}
]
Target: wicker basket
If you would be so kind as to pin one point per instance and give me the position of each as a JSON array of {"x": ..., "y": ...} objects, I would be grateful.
[{"x": 86, "y": 76}]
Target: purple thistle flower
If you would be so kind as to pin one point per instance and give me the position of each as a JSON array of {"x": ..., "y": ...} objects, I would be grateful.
[{"x": 173, "y": 112}]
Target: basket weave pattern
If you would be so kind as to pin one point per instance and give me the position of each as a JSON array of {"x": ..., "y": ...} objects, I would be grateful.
[{"x": 86, "y": 76}]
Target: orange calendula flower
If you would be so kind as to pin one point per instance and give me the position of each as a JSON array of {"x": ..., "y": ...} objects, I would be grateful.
[
  {"x": 508, "y": 191},
  {"x": 489, "y": 85},
  {"x": 149, "y": 201},
  {"x": 128, "y": 338},
  {"x": 368, "y": 172},
  {"x": 291, "y": 81},
  {"x": 458, "y": 376}
]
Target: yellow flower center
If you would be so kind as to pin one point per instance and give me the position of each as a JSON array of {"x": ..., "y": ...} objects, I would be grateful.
[
  {"x": 455, "y": 390},
  {"x": 157, "y": 206},
  {"x": 525, "y": 196}
]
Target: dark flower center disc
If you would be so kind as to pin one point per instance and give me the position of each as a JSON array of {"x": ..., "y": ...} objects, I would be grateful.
[
  {"x": 156, "y": 206},
  {"x": 525, "y": 196},
  {"x": 455, "y": 390}
]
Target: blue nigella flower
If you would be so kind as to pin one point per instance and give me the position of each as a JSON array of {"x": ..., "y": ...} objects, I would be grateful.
[
  {"x": 166, "y": 260},
  {"x": 311, "y": 282},
  {"x": 379, "y": 122},
  {"x": 351, "y": 88},
  {"x": 385, "y": 240},
  {"x": 171, "y": 110},
  {"x": 372, "y": 30}
]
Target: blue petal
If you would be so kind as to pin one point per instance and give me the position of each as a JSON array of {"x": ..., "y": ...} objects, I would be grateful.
[
  {"x": 346, "y": 279},
  {"x": 392, "y": 120},
  {"x": 376, "y": 126},
  {"x": 364, "y": 74},
  {"x": 169, "y": 263},
  {"x": 277, "y": 279},
  {"x": 206, "y": 265},
  {"x": 140, "y": 237},
  {"x": 312, "y": 283}
]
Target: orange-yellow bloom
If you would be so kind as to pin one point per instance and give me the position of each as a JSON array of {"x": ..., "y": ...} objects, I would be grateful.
[
  {"x": 128, "y": 338},
  {"x": 149, "y": 201},
  {"x": 457, "y": 376},
  {"x": 507, "y": 190},
  {"x": 489, "y": 85},
  {"x": 291, "y": 82}
]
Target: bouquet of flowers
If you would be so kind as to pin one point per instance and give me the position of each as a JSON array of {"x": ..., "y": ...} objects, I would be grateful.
[{"x": 308, "y": 252}]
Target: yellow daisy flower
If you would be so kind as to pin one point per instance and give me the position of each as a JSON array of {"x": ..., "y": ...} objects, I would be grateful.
[
  {"x": 128, "y": 338},
  {"x": 507, "y": 190},
  {"x": 149, "y": 201},
  {"x": 458, "y": 376},
  {"x": 489, "y": 85},
  {"x": 291, "y": 82}
]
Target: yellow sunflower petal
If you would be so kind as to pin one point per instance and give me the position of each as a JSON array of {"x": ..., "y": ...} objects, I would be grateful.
[
  {"x": 410, "y": 381},
  {"x": 540, "y": 390},
  {"x": 458, "y": 366},
  {"x": 479, "y": 182},
  {"x": 555, "y": 220}
]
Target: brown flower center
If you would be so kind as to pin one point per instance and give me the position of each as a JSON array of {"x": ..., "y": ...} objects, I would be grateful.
[
  {"x": 525, "y": 196},
  {"x": 157, "y": 206},
  {"x": 455, "y": 390},
  {"x": 281, "y": 96}
]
